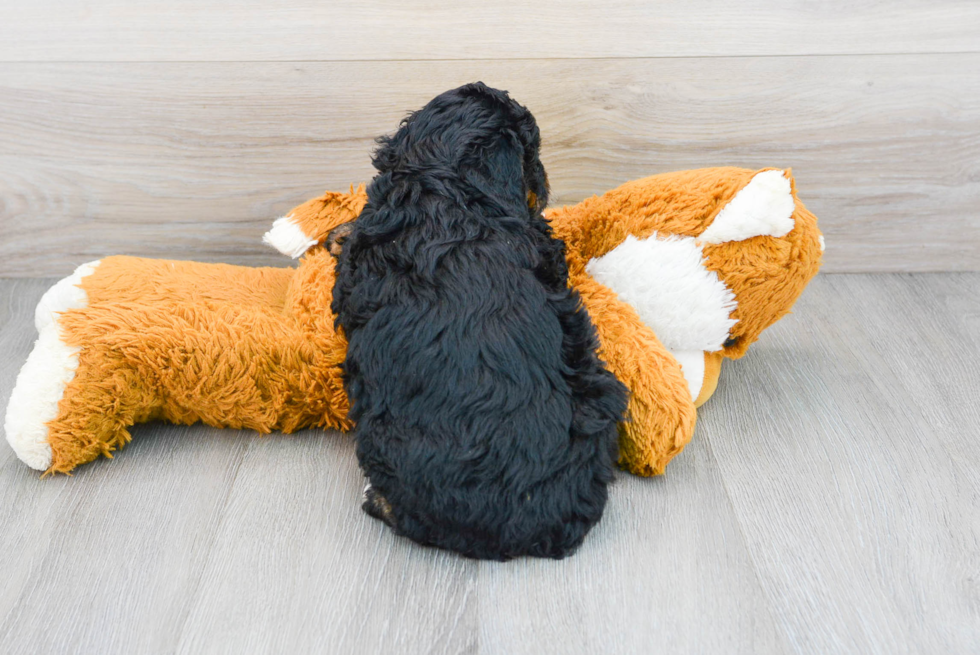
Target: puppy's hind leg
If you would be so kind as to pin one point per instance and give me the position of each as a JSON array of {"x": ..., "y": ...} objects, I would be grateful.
[
  {"x": 378, "y": 507},
  {"x": 335, "y": 240}
]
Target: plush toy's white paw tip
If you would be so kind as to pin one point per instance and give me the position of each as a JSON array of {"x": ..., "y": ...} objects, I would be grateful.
[
  {"x": 35, "y": 398},
  {"x": 288, "y": 238},
  {"x": 763, "y": 208},
  {"x": 63, "y": 296}
]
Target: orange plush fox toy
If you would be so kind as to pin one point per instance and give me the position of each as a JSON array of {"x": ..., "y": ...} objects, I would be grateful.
[{"x": 678, "y": 271}]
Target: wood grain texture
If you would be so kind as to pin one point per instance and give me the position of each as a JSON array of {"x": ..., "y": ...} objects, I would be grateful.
[
  {"x": 826, "y": 505},
  {"x": 101, "y": 562},
  {"x": 298, "y": 567},
  {"x": 75, "y": 30},
  {"x": 667, "y": 570},
  {"x": 193, "y": 160},
  {"x": 851, "y": 461}
]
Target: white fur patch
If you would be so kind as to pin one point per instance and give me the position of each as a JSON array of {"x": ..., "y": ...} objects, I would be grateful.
[
  {"x": 34, "y": 401},
  {"x": 288, "y": 238},
  {"x": 666, "y": 282},
  {"x": 692, "y": 366},
  {"x": 823, "y": 244},
  {"x": 64, "y": 295},
  {"x": 49, "y": 368},
  {"x": 764, "y": 207}
]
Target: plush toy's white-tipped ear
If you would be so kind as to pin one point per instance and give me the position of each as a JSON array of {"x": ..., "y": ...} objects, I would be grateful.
[
  {"x": 763, "y": 208},
  {"x": 288, "y": 238}
]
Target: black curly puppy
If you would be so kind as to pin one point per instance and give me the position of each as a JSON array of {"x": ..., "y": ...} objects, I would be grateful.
[{"x": 485, "y": 422}]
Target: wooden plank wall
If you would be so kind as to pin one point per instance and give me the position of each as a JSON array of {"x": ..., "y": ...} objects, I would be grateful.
[{"x": 180, "y": 129}]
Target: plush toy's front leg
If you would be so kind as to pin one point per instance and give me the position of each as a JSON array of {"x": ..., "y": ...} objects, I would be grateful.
[{"x": 661, "y": 412}]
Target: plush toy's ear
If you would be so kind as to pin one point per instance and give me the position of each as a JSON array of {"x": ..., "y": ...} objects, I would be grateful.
[{"x": 309, "y": 224}]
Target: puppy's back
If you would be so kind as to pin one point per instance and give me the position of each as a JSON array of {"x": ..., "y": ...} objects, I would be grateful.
[
  {"x": 465, "y": 418},
  {"x": 485, "y": 421}
]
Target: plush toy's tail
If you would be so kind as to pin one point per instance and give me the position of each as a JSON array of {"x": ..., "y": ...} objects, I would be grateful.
[{"x": 309, "y": 224}]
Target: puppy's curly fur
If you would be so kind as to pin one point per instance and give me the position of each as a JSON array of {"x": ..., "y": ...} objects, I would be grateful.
[{"x": 485, "y": 422}]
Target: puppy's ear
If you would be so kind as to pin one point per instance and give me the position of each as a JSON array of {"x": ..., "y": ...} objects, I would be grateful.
[
  {"x": 535, "y": 177},
  {"x": 525, "y": 127},
  {"x": 536, "y": 180}
]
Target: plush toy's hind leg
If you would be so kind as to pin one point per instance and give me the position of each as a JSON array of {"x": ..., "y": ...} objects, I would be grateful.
[
  {"x": 49, "y": 369},
  {"x": 223, "y": 364}
]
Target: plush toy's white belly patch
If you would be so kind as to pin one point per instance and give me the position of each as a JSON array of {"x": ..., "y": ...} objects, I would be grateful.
[
  {"x": 666, "y": 282},
  {"x": 692, "y": 366}
]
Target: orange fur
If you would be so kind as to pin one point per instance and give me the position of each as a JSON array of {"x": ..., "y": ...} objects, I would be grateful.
[
  {"x": 229, "y": 346},
  {"x": 766, "y": 274},
  {"x": 712, "y": 371},
  {"x": 318, "y": 216},
  {"x": 256, "y": 348}
]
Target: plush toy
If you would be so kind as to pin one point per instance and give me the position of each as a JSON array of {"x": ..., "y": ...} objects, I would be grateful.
[{"x": 678, "y": 272}]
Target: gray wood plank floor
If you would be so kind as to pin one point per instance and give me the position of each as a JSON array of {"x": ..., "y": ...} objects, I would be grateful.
[{"x": 828, "y": 504}]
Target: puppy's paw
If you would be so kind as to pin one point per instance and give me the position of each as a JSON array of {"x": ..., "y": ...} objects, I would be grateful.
[
  {"x": 377, "y": 506},
  {"x": 335, "y": 240}
]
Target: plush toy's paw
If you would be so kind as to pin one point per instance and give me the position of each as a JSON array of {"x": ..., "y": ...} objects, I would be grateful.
[
  {"x": 34, "y": 401},
  {"x": 310, "y": 223},
  {"x": 49, "y": 368},
  {"x": 288, "y": 237}
]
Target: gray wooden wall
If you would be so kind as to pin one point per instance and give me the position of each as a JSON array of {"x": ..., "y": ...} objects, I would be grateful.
[{"x": 180, "y": 129}]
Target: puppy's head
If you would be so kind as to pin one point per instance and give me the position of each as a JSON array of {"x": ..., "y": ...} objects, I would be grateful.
[{"x": 474, "y": 140}]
